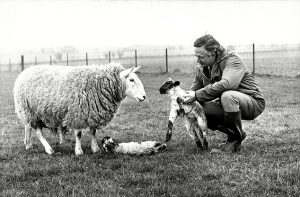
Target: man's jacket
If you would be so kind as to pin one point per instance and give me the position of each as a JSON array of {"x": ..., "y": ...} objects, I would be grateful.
[{"x": 228, "y": 73}]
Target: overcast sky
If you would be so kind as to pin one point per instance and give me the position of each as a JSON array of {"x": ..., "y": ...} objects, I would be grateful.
[{"x": 36, "y": 24}]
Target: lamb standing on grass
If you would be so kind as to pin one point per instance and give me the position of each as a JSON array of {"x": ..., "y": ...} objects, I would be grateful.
[
  {"x": 132, "y": 148},
  {"x": 193, "y": 113},
  {"x": 74, "y": 97}
]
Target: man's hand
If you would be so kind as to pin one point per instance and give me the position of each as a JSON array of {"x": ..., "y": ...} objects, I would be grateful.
[{"x": 189, "y": 97}]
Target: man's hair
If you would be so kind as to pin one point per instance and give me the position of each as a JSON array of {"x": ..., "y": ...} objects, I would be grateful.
[{"x": 210, "y": 44}]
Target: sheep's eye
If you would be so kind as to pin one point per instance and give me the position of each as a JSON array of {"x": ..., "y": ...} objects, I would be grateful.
[{"x": 132, "y": 80}]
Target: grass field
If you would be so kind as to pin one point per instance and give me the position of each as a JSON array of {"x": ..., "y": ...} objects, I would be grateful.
[{"x": 267, "y": 165}]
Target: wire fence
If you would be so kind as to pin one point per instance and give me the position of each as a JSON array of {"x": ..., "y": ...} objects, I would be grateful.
[{"x": 271, "y": 60}]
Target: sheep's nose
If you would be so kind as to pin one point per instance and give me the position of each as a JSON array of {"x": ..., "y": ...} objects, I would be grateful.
[{"x": 144, "y": 97}]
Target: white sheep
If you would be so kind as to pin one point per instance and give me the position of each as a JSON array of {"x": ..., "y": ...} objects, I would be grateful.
[
  {"x": 193, "y": 113},
  {"x": 77, "y": 98},
  {"x": 132, "y": 148}
]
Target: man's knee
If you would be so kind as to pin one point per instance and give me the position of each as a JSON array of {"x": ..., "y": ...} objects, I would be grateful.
[{"x": 229, "y": 101}]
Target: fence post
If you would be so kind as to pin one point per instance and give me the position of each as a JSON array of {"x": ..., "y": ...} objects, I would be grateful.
[
  {"x": 253, "y": 53},
  {"x": 35, "y": 60},
  {"x": 67, "y": 59},
  {"x": 22, "y": 62},
  {"x": 86, "y": 59},
  {"x": 109, "y": 56},
  {"x": 135, "y": 57},
  {"x": 167, "y": 66},
  {"x": 50, "y": 60}
]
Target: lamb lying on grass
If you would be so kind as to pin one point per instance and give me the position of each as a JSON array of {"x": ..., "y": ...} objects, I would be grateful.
[
  {"x": 193, "y": 114},
  {"x": 133, "y": 148},
  {"x": 75, "y": 98}
]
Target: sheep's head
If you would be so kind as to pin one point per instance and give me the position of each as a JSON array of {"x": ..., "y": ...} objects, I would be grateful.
[
  {"x": 109, "y": 144},
  {"x": 168, "y": 85},
  {"x": 133, "y": 86}
]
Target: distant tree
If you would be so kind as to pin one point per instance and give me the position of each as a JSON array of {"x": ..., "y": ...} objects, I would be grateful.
[
  {"x": 231, "y": 47},
  {"x": 68, "y": 49},
  {"x": 113, "y": 55},
  {"x": 106, "y": 55},
  {"x": 58, "y": 56},
  {"x": 180, "y": 47},
  {"x": 120, "y": 53}
]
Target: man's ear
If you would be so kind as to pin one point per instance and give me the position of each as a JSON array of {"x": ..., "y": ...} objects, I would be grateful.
[{"x": 176, "y": 83}]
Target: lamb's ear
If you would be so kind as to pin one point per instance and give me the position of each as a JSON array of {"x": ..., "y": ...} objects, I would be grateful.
[
  {"x": 176, "y": 83},
  {"x": 126, "y": 72}
]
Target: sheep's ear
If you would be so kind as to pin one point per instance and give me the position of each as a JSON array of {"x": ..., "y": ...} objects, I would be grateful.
[
  {"x": 134, "y": 69},
  {"x": 176, "y": 83},
  {"x": 126, "y": 72}
]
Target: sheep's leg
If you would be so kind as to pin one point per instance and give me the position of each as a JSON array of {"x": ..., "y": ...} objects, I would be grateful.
[
  {"x": 39, "y": 133},
  {"x": 78, "y": 149},
  {"x": 61, "y": 135},
  {"x": 94, "y": 145},
  {"x": 202, "y": 130},
  {"x": 27, "y": 139},
  {"x": 191, "y": 128}
]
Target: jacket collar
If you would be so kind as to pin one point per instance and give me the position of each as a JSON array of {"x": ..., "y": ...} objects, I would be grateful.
[{"x": 224, "y": 54}]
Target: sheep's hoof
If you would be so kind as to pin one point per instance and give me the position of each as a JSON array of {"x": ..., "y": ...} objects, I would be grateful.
[
  {"x": 78, "y": 152},
  {"x": 49, "y": 151},
  {"x": 95, "y": 149},
  {"x": 29, "y": 146}
]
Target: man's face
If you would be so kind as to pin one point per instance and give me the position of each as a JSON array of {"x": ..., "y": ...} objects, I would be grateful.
[{"x": 204, "y": 58}]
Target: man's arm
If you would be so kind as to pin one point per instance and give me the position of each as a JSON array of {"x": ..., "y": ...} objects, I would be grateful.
[{"x": 233, "y": 74}]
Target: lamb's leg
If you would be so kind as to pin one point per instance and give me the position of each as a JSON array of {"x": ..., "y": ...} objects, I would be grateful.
[
  {"x": 27, "y": 139},
  {"x": 172, "y": 118},
  {"x": 39, "y": 133},
  {"x": 94, "y": 145},
  {"x": 191, "y": 128},
  {"x": 202, "y": 131},
  {"x": 78, "y": 149}
]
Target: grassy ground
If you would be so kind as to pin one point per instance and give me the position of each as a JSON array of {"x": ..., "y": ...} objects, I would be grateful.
[{"x": 268, "y": 164}]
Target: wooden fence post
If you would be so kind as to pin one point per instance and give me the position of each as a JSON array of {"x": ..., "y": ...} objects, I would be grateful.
[
  {"x": 35, "y": 60},
  {"x": 109, "y": 57},
  {"x": 135, "y": 57},
  {"x": 50, "y": 60},
  {"x": 67, "y": 59},
  {"x": 22, "y": 62},
  {"x": 86, "y": 59},
  {"x": 167, "y": 66},
  {"x": 253, "y": 53}
]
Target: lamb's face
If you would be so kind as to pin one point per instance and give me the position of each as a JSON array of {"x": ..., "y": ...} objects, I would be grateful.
[
  {"x": 108, "y": 144},
  {"x": 168, "y": 85}
]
